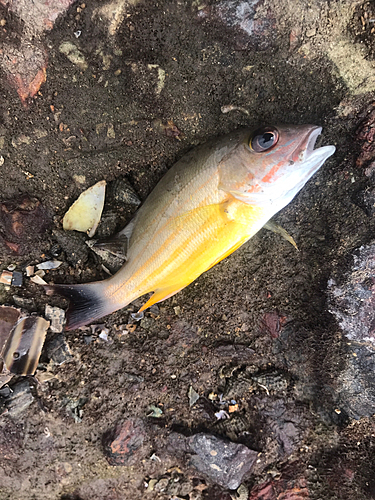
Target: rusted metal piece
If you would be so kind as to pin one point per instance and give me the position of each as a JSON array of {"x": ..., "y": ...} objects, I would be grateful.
[
  {"x": 21, "y": 342},
  {"x": 22, "y": 349}
]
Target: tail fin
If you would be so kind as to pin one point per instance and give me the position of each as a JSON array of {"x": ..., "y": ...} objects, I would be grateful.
[{"x": 87, "y": 302}]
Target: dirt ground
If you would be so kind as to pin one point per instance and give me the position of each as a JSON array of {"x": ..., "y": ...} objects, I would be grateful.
[{"x": 129, "y": 88}]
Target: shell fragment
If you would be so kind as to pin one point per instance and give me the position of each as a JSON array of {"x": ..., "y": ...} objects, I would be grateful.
[{"x": 84, "y": 215}]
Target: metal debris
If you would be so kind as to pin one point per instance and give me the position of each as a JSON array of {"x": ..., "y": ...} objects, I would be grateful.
[
  {"x": 23, "y": 347},
  {"x": 84, "y": 215},
  {"x": 57, "y": 318}
]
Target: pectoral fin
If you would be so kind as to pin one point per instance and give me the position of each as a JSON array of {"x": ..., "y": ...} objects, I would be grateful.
[
  {"x": 116, "y": 246},
  {"x": 275, "y": 228}
]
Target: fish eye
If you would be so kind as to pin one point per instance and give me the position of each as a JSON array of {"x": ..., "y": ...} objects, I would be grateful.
[{"x": 264, "y": 139}]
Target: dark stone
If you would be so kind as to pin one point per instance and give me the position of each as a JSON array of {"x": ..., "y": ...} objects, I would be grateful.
[
  {"x": 58, "y": 350},
  {"x": 19, "y": 400},
  {"x": 224, "y": 462},
  {"x": 73, "y": 244}
]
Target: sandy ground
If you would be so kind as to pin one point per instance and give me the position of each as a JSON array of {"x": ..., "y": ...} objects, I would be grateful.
[{"x": 129, "y": 88}]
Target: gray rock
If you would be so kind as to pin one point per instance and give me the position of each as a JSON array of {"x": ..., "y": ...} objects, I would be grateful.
[
  {"x": 356, "y": 384},
  {"x": 224, "y": 462},
  {"x": 58, "y": 350},
  {"x": 19, "y": 400},
  {"x": 56, "y": 317},
  {"x": 352, "y": 297}
]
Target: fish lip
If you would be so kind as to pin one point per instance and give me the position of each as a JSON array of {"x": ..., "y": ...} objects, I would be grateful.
[
  {"x": 311, "y": 155},
  {"x": 308, "y": 146},
  {"x": 312, "y": 137}
]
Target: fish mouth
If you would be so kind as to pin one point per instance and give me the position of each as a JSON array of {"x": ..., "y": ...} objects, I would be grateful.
[{"x": 314, "y": 158}]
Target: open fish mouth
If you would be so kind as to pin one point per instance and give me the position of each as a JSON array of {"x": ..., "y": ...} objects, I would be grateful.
[{"x": 314, "y": 158}]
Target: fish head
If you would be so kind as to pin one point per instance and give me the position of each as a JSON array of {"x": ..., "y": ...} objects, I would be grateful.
[{"x": 270, "y": 166}]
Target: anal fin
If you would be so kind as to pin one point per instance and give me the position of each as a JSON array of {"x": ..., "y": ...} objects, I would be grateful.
[
  {"x": 160, "y": 295},
  {"x": 275, "y": 228}
]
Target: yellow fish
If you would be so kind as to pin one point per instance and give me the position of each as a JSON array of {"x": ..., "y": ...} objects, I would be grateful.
[{"x": 207, "y": 205}]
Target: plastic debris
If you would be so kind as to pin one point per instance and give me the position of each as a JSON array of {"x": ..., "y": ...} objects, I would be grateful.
[
  {"x": 84, "y": 215},
  {"x": 193, "y": 396},
  {"x": 57, "y": 318},
  {"x": 49, "y": 264}
]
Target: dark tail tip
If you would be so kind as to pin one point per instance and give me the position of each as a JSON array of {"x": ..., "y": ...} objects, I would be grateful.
[{"x": 85, "y": 303}]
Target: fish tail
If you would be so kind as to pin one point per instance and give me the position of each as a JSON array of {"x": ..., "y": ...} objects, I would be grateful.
[{"x": 87, "y": 302}]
